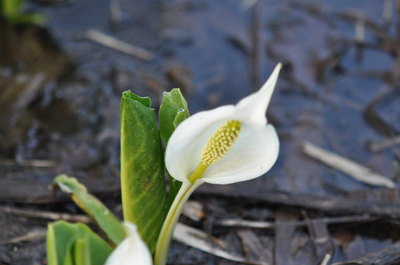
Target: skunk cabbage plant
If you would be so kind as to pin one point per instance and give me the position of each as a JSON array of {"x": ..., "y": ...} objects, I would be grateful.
[{"x": 225, "y": 145}]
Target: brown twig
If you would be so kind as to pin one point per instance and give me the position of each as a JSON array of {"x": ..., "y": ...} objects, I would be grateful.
[
  {"x": 373, "y": 119},
  {"x": 28, "y": 163},
  {"x": 45, "y": 215},
  {"x": 30, "y": 236}
]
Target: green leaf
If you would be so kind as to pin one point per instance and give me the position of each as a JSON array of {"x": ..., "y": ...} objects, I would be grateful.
[
  {"x": 64, "y": 238},
  {"x": 173, "y": 111},
  {"x": 81, "y": 252},
  {"x": 105, "y": 219},
  {"x": 12, "y": 11},
  {"x": 26, "y": 18},
  {"x": 11, "y": 6},
  {"x": 52, "y": 256},
  {"x": 142, "y": 168}
]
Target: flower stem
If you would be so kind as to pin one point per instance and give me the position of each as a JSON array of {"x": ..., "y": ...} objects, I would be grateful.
[{"x": 164, "y": 239}]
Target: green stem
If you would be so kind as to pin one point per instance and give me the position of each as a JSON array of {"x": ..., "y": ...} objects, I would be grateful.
[
  {"x": 198, "y": 172},
  {"x": 164, "y": 239}
]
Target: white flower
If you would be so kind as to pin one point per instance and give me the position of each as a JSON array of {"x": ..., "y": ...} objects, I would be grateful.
[
  {"x": 228, "y": 144},
  {"x": 132, "y": 250}
]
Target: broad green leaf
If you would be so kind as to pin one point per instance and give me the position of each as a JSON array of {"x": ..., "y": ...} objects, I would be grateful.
[
  {"x": 173, "y": 110},
  {"x": 105, "y": 219},
  {"x": 142, "y": 168},
  {"x": 63, "y": 238}
]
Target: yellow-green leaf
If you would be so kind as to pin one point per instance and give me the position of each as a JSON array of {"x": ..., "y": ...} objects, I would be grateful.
[
  {"x": 142, "y": 168},
  {"x": 105, "y": 219},
  {"x": 173, "y": 111}
]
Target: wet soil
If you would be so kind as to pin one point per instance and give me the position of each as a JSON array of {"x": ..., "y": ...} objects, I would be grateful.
[{"x": 60, "y": 95}]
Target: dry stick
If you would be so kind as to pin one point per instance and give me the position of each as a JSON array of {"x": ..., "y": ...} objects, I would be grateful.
[
  {"x": 115, "y": 11},
  {"x": 371, "y": 115},
  {"x": 30, "y": 236},
  {"x": 246, "y": 223},
  {"x": 319, "y": 234},
  {"x": 253, "y": 247},
  {"x": 272, "y": 225},
  {"x": 45, "y": 215},
  {"x": 347, "y": 166},
  {"x": 284, "y": 235},
  {"x": 28, "y": 163},
  {"x": 200, "y": 240},
  {"x": 119, "y": 45},
  {"x": 326, "y": 259},
  {"x": 193, "y": 210},
  {"x": 359, "y": 34},
  {"x": 379, "y": 146}
]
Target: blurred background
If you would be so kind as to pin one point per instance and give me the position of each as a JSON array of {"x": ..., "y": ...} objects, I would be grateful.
[{"x": 65, "y": 63}]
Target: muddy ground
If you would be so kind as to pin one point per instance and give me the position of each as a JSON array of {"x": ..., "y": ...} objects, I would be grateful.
[{"x": 339, "y": 89}]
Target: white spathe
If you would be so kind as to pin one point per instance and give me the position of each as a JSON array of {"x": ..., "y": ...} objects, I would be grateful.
[
  {"x": 253, "y": 154},
  {"x": 132, "y": 250}
]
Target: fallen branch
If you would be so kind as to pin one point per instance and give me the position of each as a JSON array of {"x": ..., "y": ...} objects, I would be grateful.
[
  {"x": 320, "y": 236},
  {"x": 347, "y": 166},
  {"x": 45, "y": 215},
  {"x": 28, "y": 163},
  {"x": 119, "y": 45},
  {"x": 30, "y": 236},
  {"x": 253, "y": 247}
]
